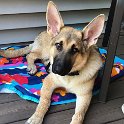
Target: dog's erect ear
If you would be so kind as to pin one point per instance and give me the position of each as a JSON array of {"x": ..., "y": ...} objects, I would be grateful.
[
  {"x": 93, "y": 30},
  {"x": 54, "y": 19}
]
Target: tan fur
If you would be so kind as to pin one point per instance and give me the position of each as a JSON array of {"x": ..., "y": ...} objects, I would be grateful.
[
  {"x": 15, "y": 53},
  {"x": 86, "y": 61}
]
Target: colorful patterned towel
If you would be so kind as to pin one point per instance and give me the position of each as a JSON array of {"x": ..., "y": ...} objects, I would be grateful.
[{"x": 14, "y": 77}]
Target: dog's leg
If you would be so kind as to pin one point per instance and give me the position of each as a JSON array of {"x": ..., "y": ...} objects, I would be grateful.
[
  {"x": 82, "y": 104},
  {"x": 42, "y": 108},
  {"x": 31, "y": 57}
]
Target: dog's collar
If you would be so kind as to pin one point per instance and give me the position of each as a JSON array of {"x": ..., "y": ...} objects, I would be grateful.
[{"x": 73, "y": 73}]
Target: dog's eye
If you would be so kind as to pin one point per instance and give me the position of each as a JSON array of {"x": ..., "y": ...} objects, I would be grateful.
[
  {"x": 74, "y": 50},
  {"x": 59, "y": 46}
]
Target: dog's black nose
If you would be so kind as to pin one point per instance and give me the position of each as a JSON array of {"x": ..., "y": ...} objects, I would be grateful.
[
  {"x": 59, "y": 70},
  {"x": 56, "y": 70},
  {"x": 61, "y": 65}
]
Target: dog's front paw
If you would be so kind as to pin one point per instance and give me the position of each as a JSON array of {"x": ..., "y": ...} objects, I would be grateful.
[
  {"x": 34, "y": 120},
  {"x": 77, "y": 119},
  {"x": 31, "y": 69}
]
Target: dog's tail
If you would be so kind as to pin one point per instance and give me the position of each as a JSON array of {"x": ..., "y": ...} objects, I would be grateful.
[{"x": 15, "y": 53}]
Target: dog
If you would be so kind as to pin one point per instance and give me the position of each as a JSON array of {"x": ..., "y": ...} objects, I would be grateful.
[{"x": 74, "y": 61}]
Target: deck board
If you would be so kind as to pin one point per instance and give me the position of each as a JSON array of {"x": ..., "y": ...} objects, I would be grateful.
[
  {"x": 97, "y": 114},
  {"x": 117, "y": 122},
  {"x": 4, "y": 98}
]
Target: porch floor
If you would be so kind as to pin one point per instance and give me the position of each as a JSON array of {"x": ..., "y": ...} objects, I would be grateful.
[{"x": 14, "y": 110}]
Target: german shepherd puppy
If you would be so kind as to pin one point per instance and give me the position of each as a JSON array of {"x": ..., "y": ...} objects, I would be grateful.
[{"x": 74, "y": 61}]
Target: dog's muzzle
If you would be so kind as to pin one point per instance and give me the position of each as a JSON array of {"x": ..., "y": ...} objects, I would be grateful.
[{"x": 61, "y": 66}]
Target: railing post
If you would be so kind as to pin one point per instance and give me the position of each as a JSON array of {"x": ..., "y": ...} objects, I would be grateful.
[{"x": 112, "y": 45}]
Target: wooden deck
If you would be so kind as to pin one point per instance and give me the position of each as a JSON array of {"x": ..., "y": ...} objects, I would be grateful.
[{"x": 14, "y": 110}]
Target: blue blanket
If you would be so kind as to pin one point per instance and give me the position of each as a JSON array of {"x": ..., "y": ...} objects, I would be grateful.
[{"x": 13, "y": 76}]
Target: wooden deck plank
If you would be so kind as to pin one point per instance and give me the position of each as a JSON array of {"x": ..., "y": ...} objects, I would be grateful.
[
  {"x": 97, "y": 114},
  {"x": 116, "y": 89},
  {"x": 103, "y": 113},
  {"x": 117, "y": 122},
  {"x": 19, "y": 122},
  {"x": 16, "y": 110},
  {"x": 4, "y": 98}
]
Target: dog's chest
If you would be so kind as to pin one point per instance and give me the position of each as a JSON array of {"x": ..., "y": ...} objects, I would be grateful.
[
  {"x": 74, "y": 84},
  {"x": 70, "y": 83}
]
